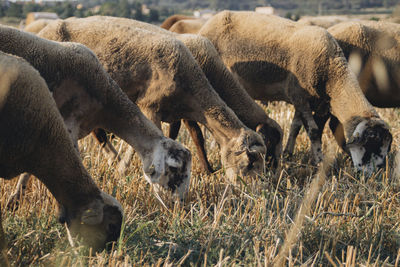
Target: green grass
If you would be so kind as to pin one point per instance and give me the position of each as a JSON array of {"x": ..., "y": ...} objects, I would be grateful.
[{"x": 349, "y": 220}]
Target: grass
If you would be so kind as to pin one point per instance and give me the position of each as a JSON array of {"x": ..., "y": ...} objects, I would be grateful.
[{"x": 345, "y": 219}]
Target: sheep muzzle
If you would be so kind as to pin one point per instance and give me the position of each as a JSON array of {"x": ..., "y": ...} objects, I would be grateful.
[{"x": 369, "y": 145}]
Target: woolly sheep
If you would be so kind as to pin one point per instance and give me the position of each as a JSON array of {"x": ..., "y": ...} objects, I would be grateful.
[
  {"x": 322, "y": 21},
  {"x": 88, "y": 98},
  {"x": 33, "y": 138},
  {"x": 373, "y": 51},
  {"x": 159, "y": 73},
  {"x": 187, "y": 26},
  {"x": 277, "y": 59},
  {"x": 228, "y": 88},
  {"x": 37, "y": 25},
  {"x": 171, "y": 20}
]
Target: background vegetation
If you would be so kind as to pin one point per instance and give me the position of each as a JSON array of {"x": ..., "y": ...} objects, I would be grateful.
[{"x": 158, "y": 10}]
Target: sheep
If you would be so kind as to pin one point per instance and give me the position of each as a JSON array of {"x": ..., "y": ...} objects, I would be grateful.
[
  {"x": 171, "y": 20},
  {"x": 88, "y": 98},
  {"x": 187, "y": 26},
  {"x": 323, "y": 21},
  {"x": 33, "y": 138},
  {"x": 278, "y": 59},
  {"x": 228, "y": 88},
  {"x": 183, "y": 24},
  {"x": 159, "y": 73},
  {"x": 37, "y": 25},
  {"x": 107, "y": 148},
  {"x": 373, "y": 51}
]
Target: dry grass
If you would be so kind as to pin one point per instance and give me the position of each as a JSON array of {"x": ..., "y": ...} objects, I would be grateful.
[{"x": 346, "y": 220}]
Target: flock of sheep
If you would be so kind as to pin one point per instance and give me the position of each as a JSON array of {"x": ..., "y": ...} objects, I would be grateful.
[{"x": 76, "y": 76}]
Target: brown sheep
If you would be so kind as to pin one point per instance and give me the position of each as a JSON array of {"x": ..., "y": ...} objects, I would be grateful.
[
  {"x": 278, "y": 59},
  {"x": 37, "y": 25},
  {"x": 187, "y": 26},
  {"x": 171, "y": 20},
  {"x": 33, "y": 138},
  {"x": 88, "y": 98},
  {"x": 322, "y": 21},
  {"x": 159, "y": 73},
  {"x": 373, "y": 51}
]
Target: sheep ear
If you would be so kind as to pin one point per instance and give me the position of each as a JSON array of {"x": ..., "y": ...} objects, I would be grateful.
[{"x": 93, "y": 215}]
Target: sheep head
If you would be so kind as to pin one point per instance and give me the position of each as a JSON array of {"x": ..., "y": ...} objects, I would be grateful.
[
  {"x": 169, "y": 167},
  {"x": 244, "y": 155},
  {"x": 96, "y": 223},
  {"x": 369, "y": 144}
]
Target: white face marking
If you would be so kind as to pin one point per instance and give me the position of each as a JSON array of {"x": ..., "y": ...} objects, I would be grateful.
[
  {"x": 157, "y": 165},
  {"x": 173, "y": 162},
  {"x": 160, "y": 163},
  {"x": 357, "y": 153},
  {"x": 360, "y": 129}
]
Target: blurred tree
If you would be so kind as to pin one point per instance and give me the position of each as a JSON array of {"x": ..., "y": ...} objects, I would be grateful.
[
  {"x": 124, "y": 9},
  {"x": 108, "y": 9},
  {"x": 68, "y": 11},
  {"x": 14, "y": 10},
  {"x": 138, "y": 11},
  {"x": 30, "y": 7},
  {"x": 154, "y": 16}
]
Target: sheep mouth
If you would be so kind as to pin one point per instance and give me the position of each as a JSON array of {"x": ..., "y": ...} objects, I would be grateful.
[
  {"x": 175, "y": 182},
  {"x": 369, "y": 147}
]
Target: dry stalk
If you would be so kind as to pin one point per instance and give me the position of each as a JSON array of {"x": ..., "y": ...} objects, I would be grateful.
[{"x": 310, "y": 196}]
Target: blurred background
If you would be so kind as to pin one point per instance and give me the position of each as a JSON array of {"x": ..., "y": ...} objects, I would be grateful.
[{"x": 155, "y": 11}]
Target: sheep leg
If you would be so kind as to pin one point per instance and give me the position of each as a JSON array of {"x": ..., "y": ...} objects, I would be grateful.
[
  {"x": 198, "y": 139},
  {"x": 313, "y": 132},
  {"x": 124, "y": 163},
  {"x": 321, "y": 121},
  {"x": 174, "y": 129},
  {"x": 19, "y": 192},
  {"x": 338, "y": 132},
  {"x": 107, "y": 147},
  {"x": 293, "y": 133},
  {"x": 111, "y": 153}
]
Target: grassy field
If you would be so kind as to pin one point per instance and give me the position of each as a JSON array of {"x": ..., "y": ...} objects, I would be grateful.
[{"x": 345, "y": 219}]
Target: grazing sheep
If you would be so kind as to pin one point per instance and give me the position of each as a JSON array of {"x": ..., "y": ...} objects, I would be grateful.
[
  {"x": 277, "y": 59},
  {"x": 373, "y": 51},
  {"x": 187, "y": 26},
  {"x": 88, "y": 98},
  {"x": 322, "y": 21},
  {"x": 37, "y": 25},
  {"x": 159, "y": 73},
  {"x": 171, "y": 20},
  {"x": 33, "y": 138},
  {"x": 183, "y": 24},
  {"x": 228, "y": 88}
]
